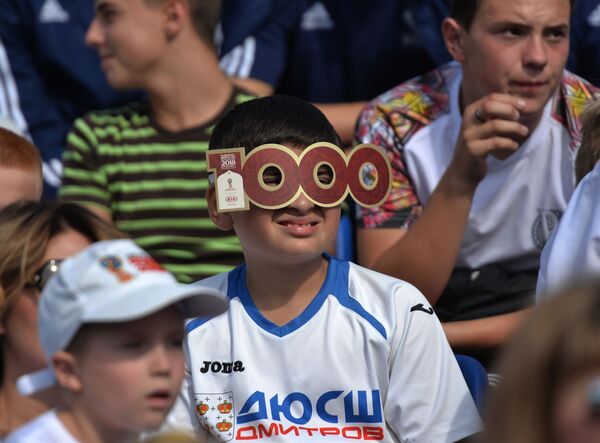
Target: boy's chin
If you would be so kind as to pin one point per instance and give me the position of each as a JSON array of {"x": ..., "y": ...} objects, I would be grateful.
[
  {"x": 297, "y": 258},
  {"x": 121, "y": 84}
]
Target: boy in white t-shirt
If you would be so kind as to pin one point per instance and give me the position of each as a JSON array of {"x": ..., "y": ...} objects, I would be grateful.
[
  {"x": 111, "y": 326},
  {"x": 482, "y": 150},
  {"x": 313, "y": 348}
]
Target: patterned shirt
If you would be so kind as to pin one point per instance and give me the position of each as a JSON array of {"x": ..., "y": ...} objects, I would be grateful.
[
  {"x": 392, "y": 119},
  {"x": 153, "y": 183},
  {"x": 521, "y": 198}
]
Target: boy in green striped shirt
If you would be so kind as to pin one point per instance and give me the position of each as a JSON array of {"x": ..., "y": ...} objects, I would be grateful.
[{"x": 143, "y": 166}]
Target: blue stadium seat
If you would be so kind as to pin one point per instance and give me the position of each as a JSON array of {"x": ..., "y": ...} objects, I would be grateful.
[
  {"x": 476, "y": 377},
  {"x": 345, "y": 249}
]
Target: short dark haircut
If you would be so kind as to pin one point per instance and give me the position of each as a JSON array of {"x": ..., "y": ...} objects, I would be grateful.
[
  {"x": 273, "y": 119},
  {"x": 204, "y": 15},
  {"x": 463, "y": 11}
]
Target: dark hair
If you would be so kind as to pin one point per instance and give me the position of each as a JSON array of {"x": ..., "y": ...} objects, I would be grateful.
[
  {"x": 463, "y": 11},
  {"x": 204, "y": 15},
  {"x": 273, "y": 119}
]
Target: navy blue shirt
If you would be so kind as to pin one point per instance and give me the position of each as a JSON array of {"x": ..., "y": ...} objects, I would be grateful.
[
  {"x": 331, "y": 50},
  {"x": 584, "y": 55}
]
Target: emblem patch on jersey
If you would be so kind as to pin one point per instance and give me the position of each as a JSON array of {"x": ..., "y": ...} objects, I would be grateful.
[
  {"x": 216, "y": 414},
  {"x": 543, "y": 225}
]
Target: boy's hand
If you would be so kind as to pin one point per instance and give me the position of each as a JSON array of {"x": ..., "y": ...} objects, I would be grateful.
[{"x": 490, "y": 126}]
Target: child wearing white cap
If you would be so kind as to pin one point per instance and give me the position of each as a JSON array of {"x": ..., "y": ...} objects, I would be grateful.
[{"x": 111, "y": 327}]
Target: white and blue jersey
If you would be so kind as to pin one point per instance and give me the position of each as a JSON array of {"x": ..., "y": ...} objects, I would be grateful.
[{"x": 366, "y": 360}]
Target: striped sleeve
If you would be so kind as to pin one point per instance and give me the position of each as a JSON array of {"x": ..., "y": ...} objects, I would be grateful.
[{"x": 84, "y": 180}]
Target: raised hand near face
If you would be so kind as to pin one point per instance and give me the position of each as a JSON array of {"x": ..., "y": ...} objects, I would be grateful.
[{"x": 490, "y": 126}]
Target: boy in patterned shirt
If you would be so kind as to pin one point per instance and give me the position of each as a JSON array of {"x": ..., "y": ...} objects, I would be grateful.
[{"x": 482, "y": 151}]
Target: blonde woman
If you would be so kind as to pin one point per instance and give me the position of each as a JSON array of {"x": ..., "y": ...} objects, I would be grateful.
[
  {"x": 34, "y": 238},
  {"x": 550, "y": 391}
]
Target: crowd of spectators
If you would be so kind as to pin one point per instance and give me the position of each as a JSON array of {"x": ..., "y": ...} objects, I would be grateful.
[{"x": 487, "y": 113}]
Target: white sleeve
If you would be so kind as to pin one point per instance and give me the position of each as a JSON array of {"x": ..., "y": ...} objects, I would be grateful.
[
  {"x": 428, "y": 399},
  {"x": 573, "y": 251}
]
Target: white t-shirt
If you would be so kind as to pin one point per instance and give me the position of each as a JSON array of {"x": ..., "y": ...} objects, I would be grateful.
[
  {"x": 520, "y": 200},
  {"x": 367, "y": 359},
  {"x": 516, "y": 205},
  {"x": 46, "y": 428},
  {"x": 573, "y": 251}
]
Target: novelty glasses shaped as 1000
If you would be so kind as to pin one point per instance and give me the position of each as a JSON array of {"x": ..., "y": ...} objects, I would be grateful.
[{"x": 272, "y": 176}]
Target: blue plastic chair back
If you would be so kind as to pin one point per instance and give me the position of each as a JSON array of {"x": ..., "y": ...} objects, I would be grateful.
[
  {"x": 476, "y": 377},
  {"x": 345, "y": 238}
]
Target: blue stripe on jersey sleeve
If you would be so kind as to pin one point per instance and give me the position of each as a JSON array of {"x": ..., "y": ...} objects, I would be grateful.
[
  {"x": 343, "y": 296},
  {"x": 195, "y": 323},
  {"x": 232, "y": 276}
]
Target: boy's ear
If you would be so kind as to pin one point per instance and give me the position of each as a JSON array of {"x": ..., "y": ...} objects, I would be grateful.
[
  {"x": 223, "y": 221},
  {"x": 176, "y": 12},
  {"x": 454, "y": 38},
  {"x": 66, "y": 371}
]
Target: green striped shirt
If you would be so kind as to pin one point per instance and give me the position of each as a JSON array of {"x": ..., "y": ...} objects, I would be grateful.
[{"x": 153, "y": 182}]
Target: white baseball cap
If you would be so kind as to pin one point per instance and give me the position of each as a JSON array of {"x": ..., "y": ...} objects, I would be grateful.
[{"x": 109, "y": 281}]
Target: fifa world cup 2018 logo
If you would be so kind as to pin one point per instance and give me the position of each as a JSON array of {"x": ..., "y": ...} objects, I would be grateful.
[
  {"x": 115, "y": 265},
  {"x": 230, "y": 185}
]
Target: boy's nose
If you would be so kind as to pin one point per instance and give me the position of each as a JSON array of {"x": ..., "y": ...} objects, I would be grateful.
[
  {"x": 93, "y": 35},
  {"x": 161, "y": 360},
  {"x": 536, "y": 52},
  {"x": 302, "y": 204}
]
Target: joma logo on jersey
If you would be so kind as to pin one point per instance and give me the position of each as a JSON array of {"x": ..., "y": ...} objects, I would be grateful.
[
  {"x": 357, "y": 407},
  {"x": 226, "y": 367}
]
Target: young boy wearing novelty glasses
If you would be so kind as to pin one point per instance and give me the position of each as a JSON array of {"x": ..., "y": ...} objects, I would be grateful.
[{"x": 312, "y": 347}]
